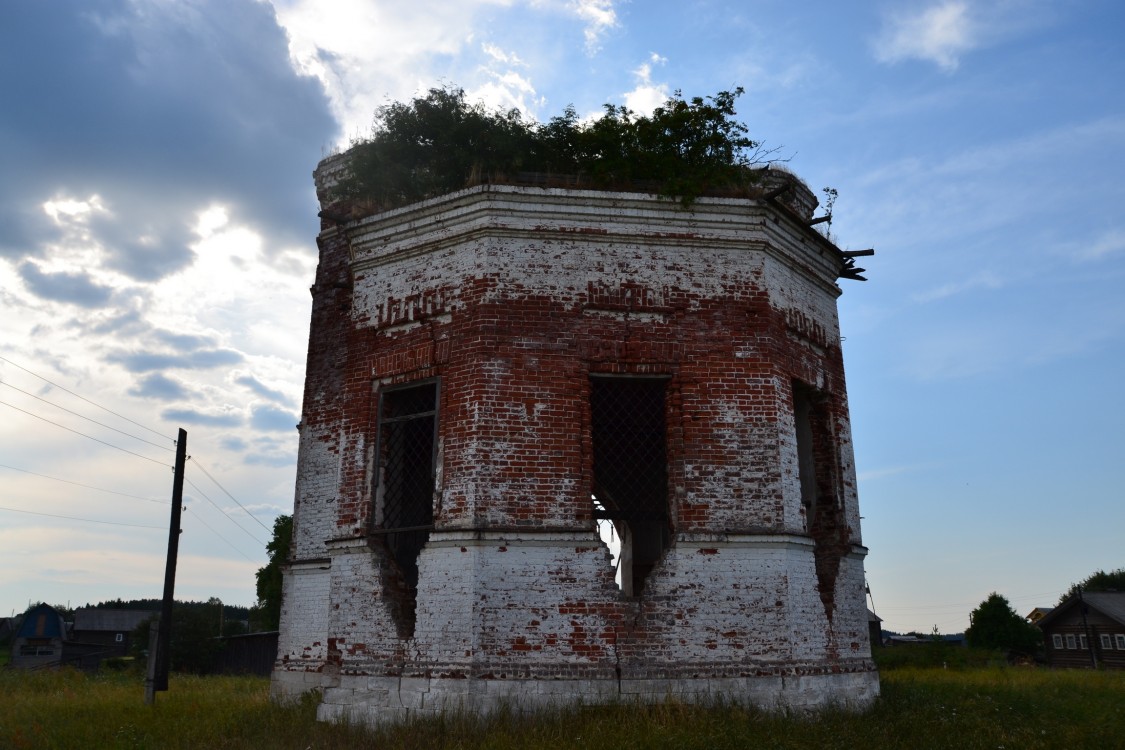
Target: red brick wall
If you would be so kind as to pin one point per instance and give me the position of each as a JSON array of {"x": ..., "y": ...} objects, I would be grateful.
[{"x": 513, "y": 299}]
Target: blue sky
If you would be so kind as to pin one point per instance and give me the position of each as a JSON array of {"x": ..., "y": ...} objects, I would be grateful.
[{"x": 157, "y": 241}]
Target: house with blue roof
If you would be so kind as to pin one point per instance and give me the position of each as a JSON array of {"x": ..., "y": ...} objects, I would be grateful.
[{"x": 39, "y": 640}]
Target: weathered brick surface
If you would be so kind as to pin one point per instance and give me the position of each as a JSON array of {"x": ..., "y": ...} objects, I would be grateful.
[{"x": 512, "y": 297}]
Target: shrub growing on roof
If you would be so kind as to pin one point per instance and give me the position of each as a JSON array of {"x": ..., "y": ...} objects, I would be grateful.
[{"x": 440, "y": 142}]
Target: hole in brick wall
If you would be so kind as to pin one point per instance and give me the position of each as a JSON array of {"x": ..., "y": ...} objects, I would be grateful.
[
  {"x": 608, "y": 534},
  {"x": 821, "y": 495},
  {"x": 631, "y": 472},
  {"x": 404, "y": 496}
]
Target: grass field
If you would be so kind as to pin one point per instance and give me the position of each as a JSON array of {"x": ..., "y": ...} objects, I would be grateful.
[{"x": 921, "y": 707}]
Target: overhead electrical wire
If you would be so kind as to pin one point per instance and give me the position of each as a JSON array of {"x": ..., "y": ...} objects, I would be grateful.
[
  {"x": 75, "y": 518},
  {"x": 88, "y": 419},
  {"x": 206, "y": 525},
  {"x": 131, "y": 525},
  {"x": 124, "y": 450},
  {"x": 76, "y": 432},
  {"x": 77, "y": 395},
  {"x": 87, "y": 486},
  {"x": 224, "y": 489},
  {"x": 939, "y": 609},
  {"x": 228, "y": 515}
]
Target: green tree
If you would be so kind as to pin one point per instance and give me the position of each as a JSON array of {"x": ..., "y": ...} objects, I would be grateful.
[
  {"x": 269, "y": 577},
  {"x": 1099, "y": 581},
  {"x": 66, "y": 611},
  {"x": 995, "y": 625},
  {"x": 194, "y": 640},
  {"x": 439, "y": 142}
]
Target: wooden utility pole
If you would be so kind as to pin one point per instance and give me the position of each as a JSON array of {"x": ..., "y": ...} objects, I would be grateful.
[
  {"x": 156, "y": 677},
  {"x": 1086, "y": 630}
]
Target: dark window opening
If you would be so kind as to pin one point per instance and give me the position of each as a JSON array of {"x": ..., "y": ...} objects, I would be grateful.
[
  {"x": 405, "y": 494},
  {"x": 806, "y": 460},
  {"x": 819, "y": 471},
  {"x": 631, "y": 471}
]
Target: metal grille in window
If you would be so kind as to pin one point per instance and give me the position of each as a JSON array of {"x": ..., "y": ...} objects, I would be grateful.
[
  {"x": 631, "y": 470},
  {"x": 406, "y": 463}
]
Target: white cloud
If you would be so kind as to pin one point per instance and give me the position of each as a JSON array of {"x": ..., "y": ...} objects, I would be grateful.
[
  {"x": 507, "y": 90},
  {"x": 979, "y": 280},
  {"x": 647, "y": 95},
  {"x": 991, "y": 343},
  {"x": 944, "y": 31},
  {"x": 984, "y": 186},
  {"x": 501, "y": 56},
  {"x": 599, "y": 17},
  {"x": 1109, "y": 242},
  {"x": 940, "y": 33},
  {"x": 871, "y": 475},
  {"x": 365, "y": 53},
  {"x": 506, "y": 87}
]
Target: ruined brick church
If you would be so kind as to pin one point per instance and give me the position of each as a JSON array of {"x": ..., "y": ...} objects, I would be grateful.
[{"x": 563, "y": 445}]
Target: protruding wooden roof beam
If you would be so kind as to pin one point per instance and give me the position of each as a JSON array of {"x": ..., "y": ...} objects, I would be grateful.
[
  {"x": 334, "y": 216},
  {"x": 778, "y": 191}
]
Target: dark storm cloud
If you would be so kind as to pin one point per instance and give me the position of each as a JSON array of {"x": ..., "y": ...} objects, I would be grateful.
[
  {"x": 197, "y": 360},
  {"x": 260, "y": 389},
  {"x": 263, "y": 417},
  {"x": 75, "y": 288},
  {"x": 192, "y": 416},
  {"x": 160, "y": 387},
  {"x": 161, "y": 109}
]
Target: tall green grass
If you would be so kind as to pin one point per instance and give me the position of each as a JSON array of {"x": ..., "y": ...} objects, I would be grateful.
[{"x": 995, "y": 707}]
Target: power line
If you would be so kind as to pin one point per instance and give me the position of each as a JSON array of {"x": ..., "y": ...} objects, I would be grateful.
[
  {"x": 206, "y": 525},
  {"x": 939, "y": 609},
  {"x": 88, "y": 419},
  {"x": 79, "y": 484},
  {"x": 228, "y": 515},
  {"x": 224, "y": 489},
  {"x": 75, "y": 518},
  {"x": 76, "y": 395},
  {"x": 76, "y": 432}
]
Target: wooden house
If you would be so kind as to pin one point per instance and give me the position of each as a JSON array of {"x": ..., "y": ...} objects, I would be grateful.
[
  {"x": 111, "y": 629},
  {"x": 40, "y": 638},
  {"x": 1087, "y": 630}
]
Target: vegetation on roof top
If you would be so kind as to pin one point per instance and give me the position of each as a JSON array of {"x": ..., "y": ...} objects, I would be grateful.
[{"x": 439, "y": 142}]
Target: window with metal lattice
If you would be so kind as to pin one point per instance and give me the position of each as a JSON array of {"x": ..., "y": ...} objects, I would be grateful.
[
  {"x": 630, "y": 468},
  {"x": 404, "y": 502}
]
